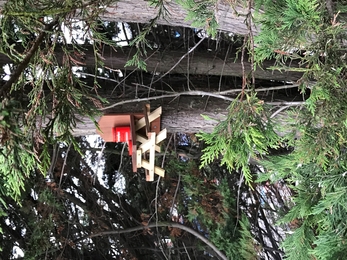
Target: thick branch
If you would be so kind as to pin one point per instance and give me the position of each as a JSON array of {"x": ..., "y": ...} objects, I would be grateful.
[
  {"x": 230, "y": 17},
  {"x": 195, "y": 93},
  {"x": 160, "y": 61},
  {"x": 159, "y": 224}
]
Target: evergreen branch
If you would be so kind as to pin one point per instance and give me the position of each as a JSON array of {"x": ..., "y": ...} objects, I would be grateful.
[
  {"x": 155, "y": 225},
  {"x": 25, "y": 62}
]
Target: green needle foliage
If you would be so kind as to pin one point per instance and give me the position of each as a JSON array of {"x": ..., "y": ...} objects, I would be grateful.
[
  {"x": 43, "y": 98},
  {"x": 311, "y": 33},
  {"x": 247, "y": 132},
  {"x": 202, "y": 14},
  {"x": 140, "y": 40},
  {"x": 319, "y": 212}
]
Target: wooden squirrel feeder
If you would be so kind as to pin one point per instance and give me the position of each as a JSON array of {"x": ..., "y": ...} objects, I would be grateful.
[{"x": 142, "y": 134}]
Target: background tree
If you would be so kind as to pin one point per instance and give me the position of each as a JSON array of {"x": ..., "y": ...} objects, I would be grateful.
[{"x": 44, "y": 97}]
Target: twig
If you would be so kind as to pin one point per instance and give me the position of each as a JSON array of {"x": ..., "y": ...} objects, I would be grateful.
[
  {"x": 29, "y": 54},
  {"x": 121, "y": 158},
  {"x": 238, "y": 201},
  {"x": 185, "y": 249},
  {"x": 285, "y": 103},
  {"x": 178, "y": 62},
  {"x": 156, "y": 218},
  {"x": 98, "y": 77},
  {"x": 188, "y": 93},
  {"x": 229, "y": 91},
  {"x": 219, "y": 92},
  {"x": 176, "y": 191},
  {"x": 208, "y": 98},
  {"x": 258, "y": 89},
  {"x": 53, "y": 161},
  {"x": 196, "y": 93},
  {"x": 188, "y": 68},
  {"x": 278, "y": 111},
  {"x": 250, "y": 33},
  {"x": 97, "y": 164},
  {"x": 224, "y": 62},
  {"x": 244, "y": 78},
  {"x": 64, "y": 164},
  {"x": 167, "y": 147},
  {"x": 154, "y": 72},
  {"x": 125, "y": 34}
]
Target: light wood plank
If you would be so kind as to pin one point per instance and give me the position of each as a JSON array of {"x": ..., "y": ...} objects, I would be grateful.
[
  {"x": 157, "y": 170},
  {"x": 143, "y": 139},
  {"x": 151, "y": 117},
  {"x": 149, "y": 144},
  {"x": 152, "y": 136},
  {"x": 139, "y": 158},
  {"x": 161, "y": 136}
]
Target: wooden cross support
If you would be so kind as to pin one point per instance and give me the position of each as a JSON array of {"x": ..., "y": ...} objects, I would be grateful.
[{"x": 144, "y": 137}]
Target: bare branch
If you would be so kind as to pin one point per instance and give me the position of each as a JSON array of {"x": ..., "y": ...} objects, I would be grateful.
[
  {"x": 278, "y": 111},
  {"x": 196, "y": 93},
  {"x": 178, "y": 62},
  {"x": 259, "y": 89},
  {"x": 173, "y": 95},
  {"x": 155, "y": 225}
]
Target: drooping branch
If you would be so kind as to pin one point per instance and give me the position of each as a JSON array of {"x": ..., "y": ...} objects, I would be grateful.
[
  {"x": 24, "y": 64},
  {"x": 154, "y": 225}
]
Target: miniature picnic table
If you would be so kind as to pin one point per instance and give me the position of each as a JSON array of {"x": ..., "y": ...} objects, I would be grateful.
[{"x": 142, "y": 134}]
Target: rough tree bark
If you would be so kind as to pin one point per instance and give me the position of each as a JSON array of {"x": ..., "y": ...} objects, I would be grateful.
[
  {"x": 230, "y": 19},
  {"x": 181, "y": 114},
  {"x": 160, "y": 61}
]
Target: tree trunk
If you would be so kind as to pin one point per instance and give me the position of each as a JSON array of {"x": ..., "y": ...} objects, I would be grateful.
[
  {"x": 230, "y": 19},
  {"x": 180, "y": 114},
  {"x": 200, "y": 62}
]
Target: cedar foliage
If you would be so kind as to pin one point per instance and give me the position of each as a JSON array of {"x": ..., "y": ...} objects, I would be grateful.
[
  {"x": 42, "y": 100},
  {"x": 313, "y": 33},
  {"x": 317, "y": 164},
  {"x": 246, "y": 133}
]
